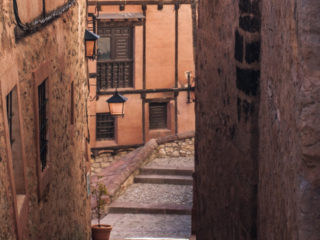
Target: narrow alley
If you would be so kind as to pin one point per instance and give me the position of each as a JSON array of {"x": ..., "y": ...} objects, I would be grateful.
[{"x": 160, "y": 119}]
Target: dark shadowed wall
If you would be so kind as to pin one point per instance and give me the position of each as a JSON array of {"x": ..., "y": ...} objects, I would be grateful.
[{"x": 258, "y": 113}]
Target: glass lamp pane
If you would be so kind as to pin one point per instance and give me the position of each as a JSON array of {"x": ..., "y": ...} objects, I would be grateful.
[
  {"x": 116, "y": 108},
  {"x": 104, "y": 48},
  {"x": 89, "y": 48}
]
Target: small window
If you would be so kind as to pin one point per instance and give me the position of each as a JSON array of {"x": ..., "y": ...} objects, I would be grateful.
[
  {"x": 105, "y": 125},
  {"x": 72, "y": 103},
  {"x": 16, "y": 144},
  {"x": 10, "y": 115},
  {"x": 157, "y": 115},
  {"x": 43, "y": 123}
]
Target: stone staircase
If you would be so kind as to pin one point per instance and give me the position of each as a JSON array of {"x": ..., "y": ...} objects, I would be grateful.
[
  {"x": 165, "y": 175},
  {"x": 158, "y": 204},
  {"x": 156, "y": 175}
]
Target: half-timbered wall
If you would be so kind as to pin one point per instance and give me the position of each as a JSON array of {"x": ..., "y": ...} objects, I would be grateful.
[{"x": 160, "y": 37}]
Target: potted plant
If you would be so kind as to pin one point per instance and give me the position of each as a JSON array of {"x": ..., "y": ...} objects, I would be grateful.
[{"x": 100, "y": 231}]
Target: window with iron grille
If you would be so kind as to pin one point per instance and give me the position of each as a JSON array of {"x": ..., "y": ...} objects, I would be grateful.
[
  {"x": 43, "y": 123},
  {"x": 157, "y": 115},
  {"x": 104, "y": 126},
  {"x": 115, "y": 58},
  {"x": 9, "y": 115}
]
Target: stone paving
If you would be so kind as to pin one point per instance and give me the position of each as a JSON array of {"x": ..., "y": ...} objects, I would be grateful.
[
  {"x": 160, "y": 226},
  {"x": 158, "y": 194},
  {"x": 148, "y": 225}
]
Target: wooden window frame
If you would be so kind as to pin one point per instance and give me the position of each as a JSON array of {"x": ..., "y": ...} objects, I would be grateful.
[
  {"x": 115, "y": 68},
  {"x": 43, "y": 175},
  {"x": 165, "y": 118},
  {"x": 114, "y": 128},
  {"x": 6, "y": 88}
]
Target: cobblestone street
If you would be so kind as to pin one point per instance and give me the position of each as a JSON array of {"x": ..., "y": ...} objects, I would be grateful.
[{"x": 158, "y": 209}]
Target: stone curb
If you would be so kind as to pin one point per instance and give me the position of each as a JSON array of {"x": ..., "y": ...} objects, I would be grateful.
[
  {"x": 172, "y": 138},
  {"x": 128, "y": 207}
]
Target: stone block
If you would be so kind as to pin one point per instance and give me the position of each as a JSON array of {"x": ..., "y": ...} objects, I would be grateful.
[
  {"x": 252, "y": 52},
  {"x": 248, "y": 81},
  {"x": 250, "y": 24},
  {"x": 238, "y": 53}
]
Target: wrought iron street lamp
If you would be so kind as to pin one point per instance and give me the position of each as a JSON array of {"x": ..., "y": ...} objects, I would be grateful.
[
  {"x": 116, "y": 104},
  {"x": 90, "y": 40},
  {"x": 190, "y": 87}
]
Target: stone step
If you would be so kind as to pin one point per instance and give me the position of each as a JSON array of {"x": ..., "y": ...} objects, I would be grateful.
[
  {"x": 164, "y": 179},
  {"x": 151, "y": 238},
  {"x": 140, "y": 208},
  {"x": 167, "y": 171}
]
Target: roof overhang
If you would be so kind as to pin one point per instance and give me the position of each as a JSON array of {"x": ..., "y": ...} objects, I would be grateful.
[{"x": 121, "y": 16}]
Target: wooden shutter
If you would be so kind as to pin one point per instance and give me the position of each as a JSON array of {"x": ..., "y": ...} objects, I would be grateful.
[
  {"x": 104, "y": 126},
  {"x": 122, "y": 42},
  {"x": 157, "y": 115}
]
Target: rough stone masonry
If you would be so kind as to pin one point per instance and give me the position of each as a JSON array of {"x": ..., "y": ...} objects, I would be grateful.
[
  {"x": 56, "y": 206},
  {"x": 258, "y": 120}
]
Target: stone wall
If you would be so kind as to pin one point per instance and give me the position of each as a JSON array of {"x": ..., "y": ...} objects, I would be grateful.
[
  {"x": 177, "y": 148},
  {"x": 227, "y": 107},
  {"x": 104, "y": 160},
  {"x": 289, "y": 181},
  {"x": 257, "y": 109},
  {"x": 181, "y": 145},
  {"x": 61, "y": 210}
]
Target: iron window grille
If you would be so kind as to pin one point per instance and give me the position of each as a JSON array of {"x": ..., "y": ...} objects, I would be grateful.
[
  {"x": 157, "y": 115},
  {"x": 105, "y": 124},
  {"x": 9, "y": 115},
  {"x": 43, "y": 123},
  {"x": 115, "y": 56}
]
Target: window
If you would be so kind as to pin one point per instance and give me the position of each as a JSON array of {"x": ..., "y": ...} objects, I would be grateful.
[
  {"x": 105, "y": 125},
  {"x": 72, "y": 103},
  {"x": 43, "y": 128},
  {"x": 10, "y": 114},
  {"x": 16, "y": 145},
  {"x": 115, "y": 57},
  {"x": 157, "y": 115}
]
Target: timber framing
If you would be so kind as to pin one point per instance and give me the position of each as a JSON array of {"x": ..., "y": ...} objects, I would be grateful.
[
  {"x": 137, "y": 2},
  {"x": 145, "y": 91}
]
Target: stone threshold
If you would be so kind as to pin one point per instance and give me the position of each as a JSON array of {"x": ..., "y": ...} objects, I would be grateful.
[{"x": 129, "y": 207}]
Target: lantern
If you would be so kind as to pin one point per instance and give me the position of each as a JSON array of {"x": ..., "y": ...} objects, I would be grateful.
[
  {"x": 90, "y": 40},
  {"x": 116, "y": 104}
]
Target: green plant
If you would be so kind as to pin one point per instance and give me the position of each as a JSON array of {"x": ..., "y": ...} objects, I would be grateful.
[{"x": 99, "y": 191}]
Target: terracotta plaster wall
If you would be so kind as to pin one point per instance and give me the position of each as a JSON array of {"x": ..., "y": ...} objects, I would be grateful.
[
  {"x": 160, "y": 46},
  {"x": 57, "y": 50},
  {"x": 289, "y": 180},
  {"x": 160, "y": 73}
]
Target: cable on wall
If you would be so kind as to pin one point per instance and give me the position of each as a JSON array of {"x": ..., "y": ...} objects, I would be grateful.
[{"x": 24, "y": 29}]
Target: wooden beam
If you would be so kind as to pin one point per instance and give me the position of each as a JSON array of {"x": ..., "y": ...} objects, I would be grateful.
[
  {"x": 144, "y": 60},
  {"x": 176, "y": 63},
  {"x": 140, "y": 2},
  {"x": 145, "y": 91},
  {"x": 194, "y": 32}
]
